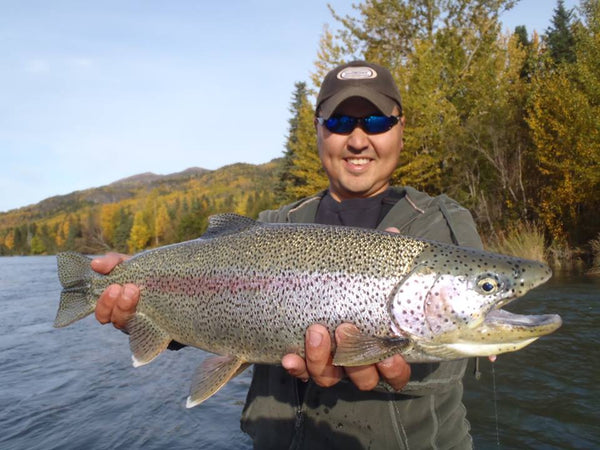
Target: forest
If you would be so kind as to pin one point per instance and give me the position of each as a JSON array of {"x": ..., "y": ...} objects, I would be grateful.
[
  {"x": 139, "y": 212},
  {"x": 504, "y": 121}
]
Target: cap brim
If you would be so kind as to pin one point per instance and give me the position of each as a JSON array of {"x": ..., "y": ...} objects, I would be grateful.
[{"x": 382, "y": 102}]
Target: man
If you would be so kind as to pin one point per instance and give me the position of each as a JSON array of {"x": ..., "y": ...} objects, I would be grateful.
[{"x": 310, "y": 403}]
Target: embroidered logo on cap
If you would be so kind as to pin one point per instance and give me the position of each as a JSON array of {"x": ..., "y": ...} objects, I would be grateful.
[{"x": 356, "y": 73}]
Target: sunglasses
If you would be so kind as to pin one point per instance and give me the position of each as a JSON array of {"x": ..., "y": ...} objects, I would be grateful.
[{"x": 373, "y": 124}]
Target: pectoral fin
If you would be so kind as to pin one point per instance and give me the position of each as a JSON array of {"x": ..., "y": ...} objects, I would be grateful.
[
  {"x": 212, "y": 375},
  {"x": 357, "y": 349},
  {"x": 146, "y": 339}
]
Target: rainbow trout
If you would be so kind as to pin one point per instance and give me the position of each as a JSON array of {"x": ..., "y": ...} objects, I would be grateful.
[{"x": 247, "y": 291}]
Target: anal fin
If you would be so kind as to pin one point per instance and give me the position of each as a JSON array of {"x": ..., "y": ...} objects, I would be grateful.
[
  {"x": 146, "y": 339},
  {"x": 358, "y": 349},
  {"x": 212, "y": 375}
]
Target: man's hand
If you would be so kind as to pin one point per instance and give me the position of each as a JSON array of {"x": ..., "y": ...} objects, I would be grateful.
[
  {"x": 318, "y": 364},
  {"x": 117, "y": 303}
]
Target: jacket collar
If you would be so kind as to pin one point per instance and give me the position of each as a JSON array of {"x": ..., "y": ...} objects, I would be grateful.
[
  {"x": 305, "y": 210},
  {"x": 411, "y": 204}
]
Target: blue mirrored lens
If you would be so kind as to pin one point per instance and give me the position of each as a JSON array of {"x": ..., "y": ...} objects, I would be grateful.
[
  {"x": 371, "y": 124},
  {"x": 341, "y": 124},
  {"x": 377, "y": 124}
]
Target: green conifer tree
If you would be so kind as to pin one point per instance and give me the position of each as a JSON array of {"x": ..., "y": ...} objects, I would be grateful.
[
  {"x": 285, "y": 174},
  {"x": 302, "y": 173},
  {"x": 559, "y": 36}
]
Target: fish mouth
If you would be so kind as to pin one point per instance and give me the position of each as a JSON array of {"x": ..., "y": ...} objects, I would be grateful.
[
  {"x": 503, "y": 331},
  {"x": 504, "y": 324}
]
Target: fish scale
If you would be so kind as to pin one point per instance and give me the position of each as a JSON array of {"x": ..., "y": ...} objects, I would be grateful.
[{"x": 247, "y": 291}]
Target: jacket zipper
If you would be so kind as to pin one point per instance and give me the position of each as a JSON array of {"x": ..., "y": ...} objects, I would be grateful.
[{"x": 300, "y": 416}]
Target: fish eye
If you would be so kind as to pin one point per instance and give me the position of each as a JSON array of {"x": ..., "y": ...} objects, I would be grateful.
[{"x": 488, "y": 285}]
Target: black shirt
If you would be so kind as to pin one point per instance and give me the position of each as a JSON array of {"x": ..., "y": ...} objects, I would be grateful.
[{"x": 356, "y": 212}]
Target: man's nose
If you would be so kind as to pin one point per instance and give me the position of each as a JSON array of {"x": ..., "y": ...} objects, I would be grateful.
[{"x": 358, "y": 140}]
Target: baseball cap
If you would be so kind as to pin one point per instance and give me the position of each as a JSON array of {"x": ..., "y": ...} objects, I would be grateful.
[{"x": 358, "y": 79}]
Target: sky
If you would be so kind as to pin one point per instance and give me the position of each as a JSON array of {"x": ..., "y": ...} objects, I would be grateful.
[{"x": 96, "y": 91}]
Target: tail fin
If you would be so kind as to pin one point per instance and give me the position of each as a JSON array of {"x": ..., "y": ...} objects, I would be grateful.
[{"x": 76, "y": 299}]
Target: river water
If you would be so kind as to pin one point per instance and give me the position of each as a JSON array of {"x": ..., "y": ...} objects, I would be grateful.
[{"x": 75, "y": 387}]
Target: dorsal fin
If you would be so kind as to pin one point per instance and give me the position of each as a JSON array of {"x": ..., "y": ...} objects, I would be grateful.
[{"x": 224, "y": 224}]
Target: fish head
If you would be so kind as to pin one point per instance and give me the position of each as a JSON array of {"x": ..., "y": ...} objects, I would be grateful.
[{"x": 450, "y": 303}]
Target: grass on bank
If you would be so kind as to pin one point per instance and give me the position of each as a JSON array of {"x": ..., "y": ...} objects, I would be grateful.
[
  {"x": 595, "y": 244},
  {"x": 524, "y": 240}
]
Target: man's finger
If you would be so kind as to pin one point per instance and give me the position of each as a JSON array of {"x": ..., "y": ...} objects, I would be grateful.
[
  {"x": 106, "y": 303},
  {"x": 125, "y": 306},
  {"x": 365, "y": 378},
  {"x": 395, "y": 370},
  {"x": 296, "y": 366},
  {"x": 106, "y": 263},
  {"x": 318, "y": 357}
]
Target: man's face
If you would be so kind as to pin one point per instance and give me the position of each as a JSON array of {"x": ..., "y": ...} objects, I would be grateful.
[{"x": 359, "y": 164}]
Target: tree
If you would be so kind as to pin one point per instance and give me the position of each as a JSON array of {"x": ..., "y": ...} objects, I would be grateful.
[
  {"x": 62, "y": 234},
  {"x": 385, "y": 31},
  {"x": 108, "y": 222},
  {"x": 140, "y": 233},
  {"x": 124, "y": 222},
  {"x": 302, "y": 173},
  {"x": 460, "y": 81},
  {"x": 563, "y": 116},
  {"x": 194, "y": 222},
  {"x": 9, "y": 240},
  {"x": 74, "y": 232},
  {"x": 37, "y": 245},
  {"x": 46, "y": 240},
  {"x": 522, "y": 36},
  {"x": 257, "y": 202},
  {"x": 162, "y": 225},
  {"x": 531, "y": 49},
  {"x": 330, "y": 55},
  {"x": 285, "y": 174},
  {"x": 22, "y": 238},
  {"x": 559, "y": 36}
]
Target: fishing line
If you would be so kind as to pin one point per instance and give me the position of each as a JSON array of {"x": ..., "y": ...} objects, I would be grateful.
[
  {"x": 495, "y": 405},
  {"x": 476, "y": 371}
]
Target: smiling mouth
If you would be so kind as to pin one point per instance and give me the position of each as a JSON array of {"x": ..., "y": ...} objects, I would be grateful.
[{"x": 358, "y": 161}]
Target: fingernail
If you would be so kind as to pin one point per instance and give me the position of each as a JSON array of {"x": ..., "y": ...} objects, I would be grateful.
[
  {"x": 388, "y": 362},
  {"x": 113, "y": 292},
  {"x": 128, "y": 293},
  {"x": 314, "y": 338}
]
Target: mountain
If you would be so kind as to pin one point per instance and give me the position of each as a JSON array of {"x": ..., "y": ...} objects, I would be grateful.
[
  {"x": 187, "y": 196},
  {"x": 149, "y": 178}
]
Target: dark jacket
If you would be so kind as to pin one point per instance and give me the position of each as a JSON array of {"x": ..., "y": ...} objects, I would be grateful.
[{"x": 428, "y": 413}]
